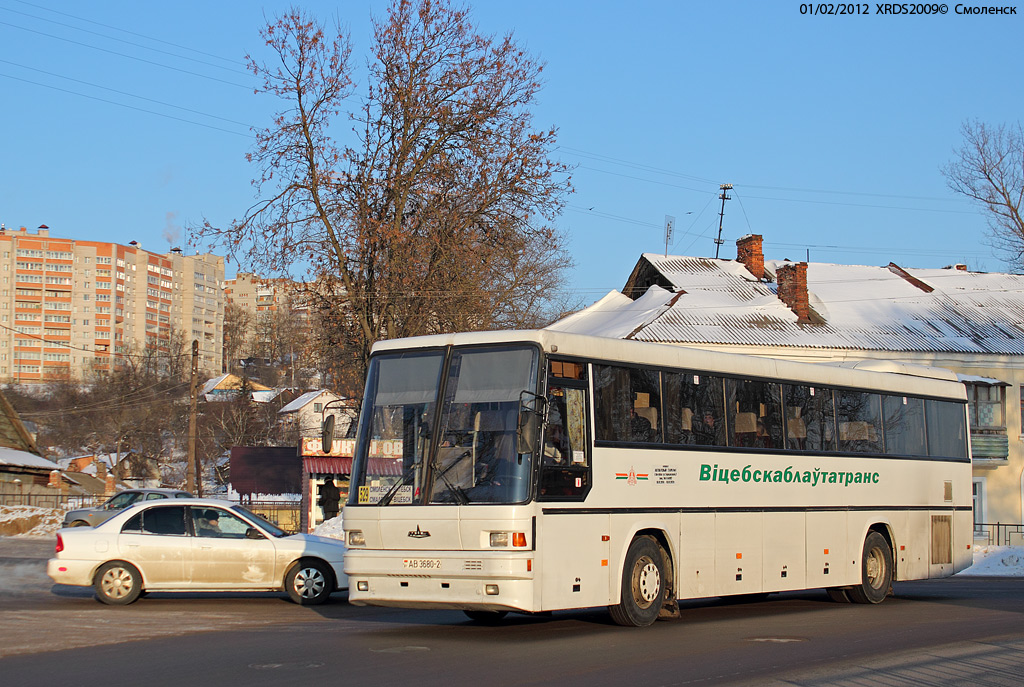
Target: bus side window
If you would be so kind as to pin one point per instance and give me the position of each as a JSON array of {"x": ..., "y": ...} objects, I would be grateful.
[
  {"x": 810, "y": 418},
  {"x": 755, "y": 413},
  {"x": 860, "y": 421},
  {"x": 694, "y": 410}
]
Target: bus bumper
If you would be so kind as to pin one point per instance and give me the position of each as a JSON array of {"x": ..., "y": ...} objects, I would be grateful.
[{"x": 466, "y": 580}]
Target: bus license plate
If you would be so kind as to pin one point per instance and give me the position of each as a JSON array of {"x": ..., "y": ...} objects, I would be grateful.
[{"x": 422, "y": 563}]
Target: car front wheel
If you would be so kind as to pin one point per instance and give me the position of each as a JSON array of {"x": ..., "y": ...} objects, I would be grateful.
[
  {"x": 117, "y": 583},
  {"x": 309, "y": 583}
]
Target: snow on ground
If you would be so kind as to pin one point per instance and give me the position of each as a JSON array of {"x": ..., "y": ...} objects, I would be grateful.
[
  {"x": 331, "y": 528},
  {"x": 29, "y": 521},
  {"x": 32, "y": 521},
  {"x": 997, "y": 561}
]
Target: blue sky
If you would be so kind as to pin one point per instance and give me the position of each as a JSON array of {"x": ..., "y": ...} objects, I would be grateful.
[{"x": 833, "y": 129}]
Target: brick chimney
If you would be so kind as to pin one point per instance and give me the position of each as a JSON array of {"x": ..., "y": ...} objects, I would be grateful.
[
  {"x": 750, "y": 253},
  {"x": 792, "y": 279}
]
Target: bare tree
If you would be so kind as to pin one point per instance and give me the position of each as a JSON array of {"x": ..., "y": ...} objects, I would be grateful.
[
  {"x": 989, "y": 169},
  {"x": 440, "y": 216}
]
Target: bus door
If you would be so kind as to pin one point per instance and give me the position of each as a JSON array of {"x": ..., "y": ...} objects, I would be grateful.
[{"x": 574, "y": 554}]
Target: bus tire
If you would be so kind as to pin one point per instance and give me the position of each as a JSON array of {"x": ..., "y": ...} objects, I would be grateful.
[
  {"x": 643, "y": 585},
  {"x": 876, "y": 571}
]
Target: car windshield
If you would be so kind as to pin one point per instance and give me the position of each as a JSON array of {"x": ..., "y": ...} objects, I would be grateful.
[
  {"x": 412, "y": 452},
  {"x": 122, "y": 500},
  {"x": 270, "y": 527}
]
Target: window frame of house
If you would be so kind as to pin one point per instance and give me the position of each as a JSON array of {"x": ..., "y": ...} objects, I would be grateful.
[{"x": 975, "y": 403}]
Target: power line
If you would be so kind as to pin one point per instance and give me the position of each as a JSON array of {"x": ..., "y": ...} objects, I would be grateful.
[
  {"x": 131, "y": 33},
  {"x": 130, "y": 107},
  {"x": 130, "y": 57},
  {"x": 121, "y": 40},
  {"x": 64, "y": 344},
  {"x": 130, "y": 95}
]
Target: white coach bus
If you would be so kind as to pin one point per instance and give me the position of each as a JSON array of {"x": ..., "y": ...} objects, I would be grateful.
[{"x": 536, "y": 471}]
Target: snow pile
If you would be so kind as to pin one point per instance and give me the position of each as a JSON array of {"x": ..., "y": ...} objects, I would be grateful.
[
  {"x": 332, "y": 528},
  {"x": 30, "y": 521},
  {"x": 997, "y": 561}
]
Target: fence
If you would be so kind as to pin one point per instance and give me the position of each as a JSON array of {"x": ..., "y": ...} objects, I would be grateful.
[
  {"x": 52, "y": 499},
  {"x": 999, "y": 534},
  {"x": 284, "y": 514}
]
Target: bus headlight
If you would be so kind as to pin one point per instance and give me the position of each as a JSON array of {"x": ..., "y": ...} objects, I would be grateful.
[
  {"x": 501, "y": 540},
  {"x": 356, "y": 538}
]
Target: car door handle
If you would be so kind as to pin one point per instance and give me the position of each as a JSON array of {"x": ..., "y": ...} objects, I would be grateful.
[
  {"x": 206, "y": 548},
  {"x": 133, "y": 546}
]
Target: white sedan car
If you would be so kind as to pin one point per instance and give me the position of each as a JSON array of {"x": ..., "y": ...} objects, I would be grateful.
[{"x": 196, "y": 545}]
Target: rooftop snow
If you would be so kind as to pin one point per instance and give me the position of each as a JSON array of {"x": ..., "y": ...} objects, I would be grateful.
[{"x": 863, "y": 307}]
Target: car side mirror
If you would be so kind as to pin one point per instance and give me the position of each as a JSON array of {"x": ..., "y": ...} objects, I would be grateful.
[{"x": 253, "y": 533}]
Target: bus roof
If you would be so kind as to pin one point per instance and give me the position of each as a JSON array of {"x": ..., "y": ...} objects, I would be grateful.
[{"x": 882, "y": 375}]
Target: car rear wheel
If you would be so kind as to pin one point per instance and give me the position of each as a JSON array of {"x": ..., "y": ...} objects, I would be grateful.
[
  {"x": 79, "y": 523},
  {"x": 117, "y": 583},
  {"x": 309, "y": 582}
]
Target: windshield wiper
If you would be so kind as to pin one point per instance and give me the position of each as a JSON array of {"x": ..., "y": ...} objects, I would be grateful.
[
  {"x": 459, "y": 492},
  {"x": 404, "y": 481}
]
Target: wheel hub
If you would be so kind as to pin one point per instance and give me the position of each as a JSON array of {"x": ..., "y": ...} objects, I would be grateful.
[
  {"x": 309, "y": 582},
  {"x": 648, "y": 582}
]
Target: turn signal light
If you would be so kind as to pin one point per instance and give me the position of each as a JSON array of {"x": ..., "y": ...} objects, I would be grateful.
[{"x": 518, "y": 539}]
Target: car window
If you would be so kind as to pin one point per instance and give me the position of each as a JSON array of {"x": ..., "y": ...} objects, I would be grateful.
[
  {"x": 163, "y": 520},
  {"x": 154, "y": 497},
  {"x": 216, "y": 522},
  {"x": 123, "y": 500},
  {"x": 134, "y": 524},
  {"x": 182, "y": 495}
]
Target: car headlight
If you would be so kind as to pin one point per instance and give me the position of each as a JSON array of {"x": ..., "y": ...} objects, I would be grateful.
[{"x": 356, "y": 538}]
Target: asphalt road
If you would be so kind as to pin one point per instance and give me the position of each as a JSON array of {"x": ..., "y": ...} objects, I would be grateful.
[{"x": 959, "y": 631}]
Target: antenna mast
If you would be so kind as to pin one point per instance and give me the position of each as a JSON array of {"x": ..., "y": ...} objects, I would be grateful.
[{"x": 721, "y": 216}]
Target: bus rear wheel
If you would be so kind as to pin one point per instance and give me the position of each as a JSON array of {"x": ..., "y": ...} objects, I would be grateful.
[
  {"x": 643, "y": 585},
  {"x": 876, "y": 571}
]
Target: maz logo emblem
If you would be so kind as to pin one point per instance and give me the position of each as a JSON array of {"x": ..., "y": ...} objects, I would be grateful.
[{"x": 418, "y": 533}]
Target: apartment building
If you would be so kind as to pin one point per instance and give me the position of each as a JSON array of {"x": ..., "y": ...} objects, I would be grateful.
[
  {"x": 70, "y": 307},
  {"x": 257, "y": 294}
]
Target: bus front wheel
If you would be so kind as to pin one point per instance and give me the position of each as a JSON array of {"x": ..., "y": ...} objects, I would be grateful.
[
  {"x": 876, "y": 571},
  {"x": 643, "y": 585}
]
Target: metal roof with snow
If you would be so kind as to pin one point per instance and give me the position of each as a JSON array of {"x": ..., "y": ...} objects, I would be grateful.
[
  {"x": 306, "y": 399},
  {"x": 710, "y": 301}
]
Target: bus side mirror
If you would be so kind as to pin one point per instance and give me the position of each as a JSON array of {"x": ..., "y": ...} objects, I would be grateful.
[
  {"x": 528, "y": 422},
  {"x": 327, "y": 434},
  {"x": 526, "y": 431}
]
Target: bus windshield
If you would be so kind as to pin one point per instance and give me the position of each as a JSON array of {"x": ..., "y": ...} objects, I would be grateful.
[{"x": 432, "y": 433}]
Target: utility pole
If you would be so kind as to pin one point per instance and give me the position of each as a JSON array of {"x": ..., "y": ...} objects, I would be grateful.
[
  {"x": 193, "y": 478},
  {"x": 721, "y": 216},
  {"x": 670, "y": 225}
]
